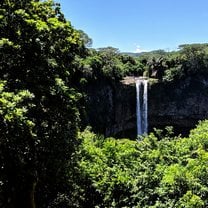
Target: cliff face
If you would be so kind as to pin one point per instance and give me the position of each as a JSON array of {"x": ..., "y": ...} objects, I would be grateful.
[
  {"x": 111, "y": 108},
  {"x": 181, "y": 104}
]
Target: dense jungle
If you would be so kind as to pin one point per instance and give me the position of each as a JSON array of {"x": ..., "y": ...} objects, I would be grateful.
[{"x": 68, "y": 124}]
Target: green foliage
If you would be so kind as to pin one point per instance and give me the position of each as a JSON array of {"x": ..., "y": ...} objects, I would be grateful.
[
  {"x": 108, "y": 63},
  {"x": 39, "y": 50},
  {"x": 111, "y": 160},
  {"x": 194, "y": 58},
  {"x": 41, "y": 67},
  {"x": 12, "y": 107},
  {"x": 172, "y": 74},
  {"x": 189, "y": 60},
  {"x": 166, "y": 172},
  {"x": 86, "y": 39},
  {"x": 166, "y": 66}
]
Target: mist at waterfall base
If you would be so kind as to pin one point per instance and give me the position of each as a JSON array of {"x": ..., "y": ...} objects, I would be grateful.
[{"x": 142, "y": 107}]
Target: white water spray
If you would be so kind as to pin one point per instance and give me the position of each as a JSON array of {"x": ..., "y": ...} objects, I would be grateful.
[{"x": 142, "y": 106}]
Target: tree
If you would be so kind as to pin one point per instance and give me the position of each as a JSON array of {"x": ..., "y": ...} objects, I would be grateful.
[
  {"x": 194, "y": 58},
  {"x": 86, "y": 39},
  {"x": 162, "y": 170},
  {"x": 38, "y": 114}
]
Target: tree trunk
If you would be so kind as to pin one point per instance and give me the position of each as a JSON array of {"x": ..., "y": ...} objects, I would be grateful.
[
  {"x": 25, "y": 195},
  {"x": 31, "y": 196}
]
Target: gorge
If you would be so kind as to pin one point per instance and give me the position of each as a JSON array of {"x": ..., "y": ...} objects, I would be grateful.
[
  {"x": 180, "y": 104},
  {"x": 76, "y": 121}
]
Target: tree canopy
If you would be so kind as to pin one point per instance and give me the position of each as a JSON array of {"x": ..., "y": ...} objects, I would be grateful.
[
  {"x": 162, "y": 170},
  {"x": 38, "y": 123},
  {"x": 45, "y": 161}
]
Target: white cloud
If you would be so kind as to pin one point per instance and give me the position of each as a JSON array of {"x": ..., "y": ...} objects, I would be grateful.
[{"x": 139, "y": 49}]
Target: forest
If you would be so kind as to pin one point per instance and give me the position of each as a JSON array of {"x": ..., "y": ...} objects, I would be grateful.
[{"x": 51, "y": 155}]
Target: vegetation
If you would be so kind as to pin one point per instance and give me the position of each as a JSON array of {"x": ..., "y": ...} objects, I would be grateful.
[
  {"x": 159, "y": 171},
  {"x": 172, "y": 66},
  {"x": 38, "y": 104},
  {"x": 109, "y": 63},
  {"x": 165, "y": 66},
  {"x": 45, "y": 160}
]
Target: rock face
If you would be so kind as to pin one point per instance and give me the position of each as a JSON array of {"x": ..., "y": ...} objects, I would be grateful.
[
  {"x": 111, "y": 107},
  {"x": 181, "y": 104}
]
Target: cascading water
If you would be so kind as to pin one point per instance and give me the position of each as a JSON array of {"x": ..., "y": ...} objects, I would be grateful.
[{"x": 142, "y": 106}]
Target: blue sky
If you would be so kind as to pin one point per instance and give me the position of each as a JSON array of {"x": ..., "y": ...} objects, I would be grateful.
[{"x": 139, "y": 25}]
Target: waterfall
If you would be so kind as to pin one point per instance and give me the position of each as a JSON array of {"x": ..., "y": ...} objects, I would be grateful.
[{"x": 142, "y": 106}]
